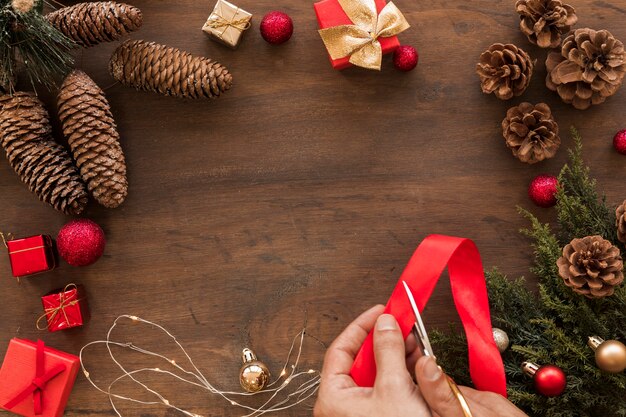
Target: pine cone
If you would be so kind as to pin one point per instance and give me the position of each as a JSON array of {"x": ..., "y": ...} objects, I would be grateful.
[
  {"x": 544, "y": 21},
  {"x": 620, "y": 222},
  {"x": 531, "y": 133},
  {"x": 89, "y": 24},
  {"x": 589, "y": 68},
  {"x": 504, "y": 70},
  {"x": 168, "y": 71},
  {"x": 42, "y": 164},
  {"x": 92, "y": 135},
  {"x": 591, "y": 266}
]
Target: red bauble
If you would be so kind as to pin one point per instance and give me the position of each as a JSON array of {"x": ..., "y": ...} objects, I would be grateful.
[
  {"x": 619, "y": 142},
  {"x": 276, "y": 27},
  {"x": 542, "y": 190},
  {"x": 550, "y": 381},
  {"x": 405, "y": 58},
  {"x": 81, "y": 242}
]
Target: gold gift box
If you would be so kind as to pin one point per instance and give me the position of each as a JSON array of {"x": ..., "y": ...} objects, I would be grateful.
[{"x": 227, "y": 23}]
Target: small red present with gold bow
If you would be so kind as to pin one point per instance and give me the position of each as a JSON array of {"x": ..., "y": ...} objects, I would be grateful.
[
  {"x": 359, "y": 32},
  {"x": 31, "y": 255},
  {"x": 64, "y": 309},
  {"x": 36, "y": 380}
]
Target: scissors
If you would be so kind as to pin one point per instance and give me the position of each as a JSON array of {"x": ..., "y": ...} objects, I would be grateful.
[{"x": 419, "y": 331}]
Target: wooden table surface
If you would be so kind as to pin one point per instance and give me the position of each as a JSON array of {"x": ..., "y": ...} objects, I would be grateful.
[{"x": 302, "y": 191}]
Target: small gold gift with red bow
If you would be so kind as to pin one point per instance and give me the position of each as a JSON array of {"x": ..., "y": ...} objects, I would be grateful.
[{"x": 227, "y": 23}]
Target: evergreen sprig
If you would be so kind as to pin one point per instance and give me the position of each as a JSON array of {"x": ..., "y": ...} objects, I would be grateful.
[
  {"x": 552, "y": 326},
  {"x": 28, "y": 40}
]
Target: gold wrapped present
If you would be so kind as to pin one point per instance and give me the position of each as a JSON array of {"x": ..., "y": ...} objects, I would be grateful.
[{"x": 227, "y": 23}]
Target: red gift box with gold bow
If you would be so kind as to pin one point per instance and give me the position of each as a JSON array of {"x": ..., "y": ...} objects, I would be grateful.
[
  {"x": 359, "y": 32},
  {"x": 64, "y": 309},
  {"x": 36, "y": 380}
]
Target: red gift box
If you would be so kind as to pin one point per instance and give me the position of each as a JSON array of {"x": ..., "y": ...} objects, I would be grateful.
[
  {"x": 31, "y": 255},
  {"x": 64, "y": 308},
  {"x": 330, "y": 13},
  {"x": 36, "y": 380}
]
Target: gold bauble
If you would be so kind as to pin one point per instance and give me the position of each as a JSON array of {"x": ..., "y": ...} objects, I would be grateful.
[
  {"x": 501, "y": 339},
  {"x": 610, "y": 354},
  {"x": 254, "y": 374}
]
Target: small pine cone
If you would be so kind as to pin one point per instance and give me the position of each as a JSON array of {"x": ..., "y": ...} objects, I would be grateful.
[
  {"x": 620, "y": 222},
  {"x": 91, "y": 132},
  {"x": 504, "y": 70},
  {"x": 41, "y": 163},
  {"x": 531, "y": 133},
  {"x": 591, "y": 266},
  {"x": 589, "y": 67},
  {"x": 89, "y": 24},
  {"x": 168, "y": 71},
  {"x": 544, "y": 21}
]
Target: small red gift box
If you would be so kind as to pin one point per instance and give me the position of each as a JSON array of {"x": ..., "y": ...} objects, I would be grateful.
[
  {"x": 36, "y": 380},
  {"x": 330, "y": 13},
  {"x": 31, "y": 255},
  {"x": 64, "y": 308}
]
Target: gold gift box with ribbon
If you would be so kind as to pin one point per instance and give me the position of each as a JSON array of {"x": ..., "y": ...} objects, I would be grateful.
[{"x": 227, "y": 23}]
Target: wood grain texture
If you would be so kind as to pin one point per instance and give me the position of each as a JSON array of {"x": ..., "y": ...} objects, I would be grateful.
[{"x": 301, "y": 189}]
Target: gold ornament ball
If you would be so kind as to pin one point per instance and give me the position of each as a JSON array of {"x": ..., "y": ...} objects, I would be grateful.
[
  {"x": 254, "y": 374},
  {"x": 610, "y": 354},
  {"x": 501, "y": 339}
]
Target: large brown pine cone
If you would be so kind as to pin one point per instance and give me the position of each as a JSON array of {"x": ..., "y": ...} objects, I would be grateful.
[
  {"x": 620, "y": 222},
  {"x": 89, "y": 24},
  {"x": 531, "y": 133},
  {"x": 41, "y": 163},
  {"x": 504, "y": 70},
  {"x": 91, "y": 132},
  {"x": 544, "y": 21},
  {"x": 589, "y": 67},
  {"x": 591, "y": 266},
  {"x": 168, "y": 71}
]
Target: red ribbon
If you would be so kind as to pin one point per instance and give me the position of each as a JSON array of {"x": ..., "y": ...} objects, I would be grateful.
[
  {"x": 38, "y": 384},
  {"x": 469, "y": 290}
]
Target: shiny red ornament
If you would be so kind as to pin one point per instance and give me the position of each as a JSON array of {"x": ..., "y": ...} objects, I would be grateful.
[
  {"x": 405, "y": 58},
  {"x": 81, "y": 242},
  {"x": 619, "y": 142},
  {"x": 542, "y": 190},
  {"x": 550, "y": 381},
  {"x": 276, "y": 27}
]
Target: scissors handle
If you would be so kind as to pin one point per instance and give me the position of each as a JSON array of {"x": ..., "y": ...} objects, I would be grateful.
[{"x": 459, "y": 396}]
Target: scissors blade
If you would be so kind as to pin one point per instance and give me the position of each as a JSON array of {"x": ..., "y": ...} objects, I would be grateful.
[{"x": 419, "y": 323}]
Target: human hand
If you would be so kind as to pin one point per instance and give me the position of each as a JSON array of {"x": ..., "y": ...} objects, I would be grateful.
[
  {"x": 394, "y": 393},
  {"x": 440, "y": 398}
]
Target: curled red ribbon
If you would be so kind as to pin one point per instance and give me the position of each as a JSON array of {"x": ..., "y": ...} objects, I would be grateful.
[
  {"x": 38, "y": 384},
  {"x": 467, "y": 281}
]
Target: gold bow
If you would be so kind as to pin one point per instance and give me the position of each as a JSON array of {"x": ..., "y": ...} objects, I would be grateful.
[
  {"x": 360, "y": 40},
  {"x": 60, "y": 309}
]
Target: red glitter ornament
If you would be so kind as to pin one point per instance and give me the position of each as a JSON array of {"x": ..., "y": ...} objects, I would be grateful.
[
  {"x": 619, "y": 142},
  {"x": 542, "y": 190},
  {"x": 81, "y": 242},
  {"x": 276, "y": 27},
  {"x": 550, "y": 380},
  {"x": 405, "y": 58}
]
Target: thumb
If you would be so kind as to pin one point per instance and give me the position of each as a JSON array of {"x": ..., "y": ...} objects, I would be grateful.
[
  {"x": 434, "y": 387},
  {"x": 389, "y": 351}
]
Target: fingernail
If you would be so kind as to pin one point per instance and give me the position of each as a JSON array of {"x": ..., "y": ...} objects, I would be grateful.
[
  {"x": 386, "y": 322},
  {"x": 431, "y": 370}
]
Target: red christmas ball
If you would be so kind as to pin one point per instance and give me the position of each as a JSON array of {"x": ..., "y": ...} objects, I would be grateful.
[
  {"x": 276, "y": 27},
  {"x": 550, "y": 381},
  {"x": 542, "y": 190},
  {"x": 405, "y": 58},
  {"x": 81, "y": 242},
  {"x": 619, "y": 142}
]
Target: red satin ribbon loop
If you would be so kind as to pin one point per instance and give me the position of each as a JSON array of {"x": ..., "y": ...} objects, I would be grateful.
[
  {"x": 467, "y": 282},
  {"x": 38, "y": 384}
]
